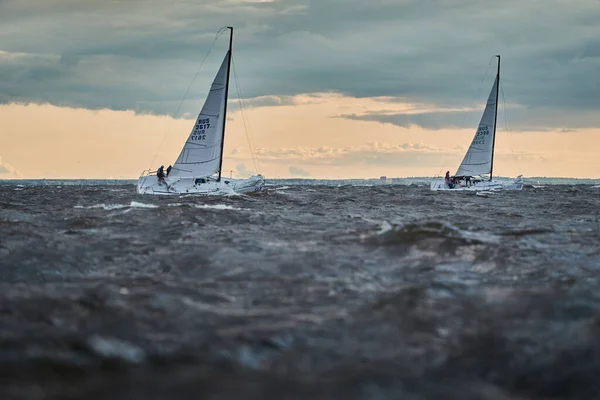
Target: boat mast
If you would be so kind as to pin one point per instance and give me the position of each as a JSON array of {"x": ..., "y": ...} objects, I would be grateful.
[
  {"x": 226, "y": 97},
  {"x": 495, "y": 116}
]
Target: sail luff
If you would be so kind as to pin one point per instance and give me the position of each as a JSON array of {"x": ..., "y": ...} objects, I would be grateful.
[
  {"x": 495, "y": 118},
  {"x": 225, "y": 103},
  {"x": 478, "y": 158},
  {"x": 201, "y": 154}
]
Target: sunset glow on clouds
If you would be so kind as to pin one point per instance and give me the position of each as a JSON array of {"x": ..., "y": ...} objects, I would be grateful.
[
  {"x": 396, "y": 88},
  {"x": 306, "y": 139}
]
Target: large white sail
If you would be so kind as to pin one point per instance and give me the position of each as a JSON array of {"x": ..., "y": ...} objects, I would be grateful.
[
  {"x": 478, "y": 160},
  {"x": 201, "y": 154}
]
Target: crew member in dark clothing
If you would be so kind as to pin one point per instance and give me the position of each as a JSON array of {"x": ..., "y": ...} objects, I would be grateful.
[
  {"x": 160, "y": 173},
  {"x": 169, "y": 168}
]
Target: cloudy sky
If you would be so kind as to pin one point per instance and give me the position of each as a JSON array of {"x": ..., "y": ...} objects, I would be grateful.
[{"x": 330, "y": 88}]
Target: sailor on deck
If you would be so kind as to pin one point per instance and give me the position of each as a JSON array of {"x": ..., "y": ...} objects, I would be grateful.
[
  {"x": 160, "y": 173},
  {"x": 448, "y": 180}
]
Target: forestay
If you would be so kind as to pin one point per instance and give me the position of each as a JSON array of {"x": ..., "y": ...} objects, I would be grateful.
[
  {"x": 201, "y": 154},
  {"x": 478, "y": 160}
]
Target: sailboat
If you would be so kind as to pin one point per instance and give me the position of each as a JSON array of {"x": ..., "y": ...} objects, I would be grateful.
[
  {"x": 198, "y": 169},
  {"x": 478, "y": 163}
]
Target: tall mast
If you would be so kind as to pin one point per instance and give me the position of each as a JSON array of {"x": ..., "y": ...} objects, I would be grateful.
[
  {"x": 226, "y": 97},
  {"x": 495, "y": 116}
]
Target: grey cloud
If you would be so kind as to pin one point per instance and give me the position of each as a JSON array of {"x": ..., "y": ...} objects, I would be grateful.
[
  {"x": 298, "y": 172},
  {"x": 519, "y": 119},
  {"x": 351, "y": 157},
  {"x": 432, "y": 121},
  {"x": 384, "y": 155},
  {"x": 371, "y": 153},
  {"x": 262, "y": 101},
  {"x": 7, "y": 170},
  {"x": 242, "y": 170},
  {"x": 142, "y": 54}
]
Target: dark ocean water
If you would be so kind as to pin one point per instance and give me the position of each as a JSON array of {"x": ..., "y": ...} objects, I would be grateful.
[{"x": 320, "y": 292}]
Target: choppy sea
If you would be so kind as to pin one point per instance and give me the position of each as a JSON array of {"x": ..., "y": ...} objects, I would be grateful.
[{"x": 320, "y": 291}]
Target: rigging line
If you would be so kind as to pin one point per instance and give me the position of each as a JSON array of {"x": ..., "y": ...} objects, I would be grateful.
[
  {"x": 506, "y": 128},
  {"x": 248, "y": 134},
  {"x": 219, "y": 33},
  {"x": 462, "y": 124},
  {"x": 237, "y": 84}
]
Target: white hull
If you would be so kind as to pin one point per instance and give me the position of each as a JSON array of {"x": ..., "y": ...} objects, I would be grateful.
[
  {"x": 517, "y": 184},
  {"x": 182, "y": 186}
]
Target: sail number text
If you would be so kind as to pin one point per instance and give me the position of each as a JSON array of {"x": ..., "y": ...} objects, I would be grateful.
[
  {"x": 199, "y": 132},
  {"x": 482, "y": 132}
]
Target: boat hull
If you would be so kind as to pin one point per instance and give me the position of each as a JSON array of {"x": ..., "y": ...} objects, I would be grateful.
[
  {"x": 500, "y": 184},
  {"x": 187, "y": 186}
]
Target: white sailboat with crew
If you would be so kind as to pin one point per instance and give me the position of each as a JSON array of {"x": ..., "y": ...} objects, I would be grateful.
[
  {"x": 475, "y": 171},
  {"x": 198, "y": 169}
]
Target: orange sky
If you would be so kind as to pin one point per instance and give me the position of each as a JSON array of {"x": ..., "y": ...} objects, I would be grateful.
[
  {"x": 304, "y": 138},
  {"x": 140, "y": 55}
]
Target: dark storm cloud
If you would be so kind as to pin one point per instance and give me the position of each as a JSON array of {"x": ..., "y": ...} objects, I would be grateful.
[
  {"x": 519, "y": 119},
  {"x": 432, "y": 121},
  {"x": 142, "y": 54}
]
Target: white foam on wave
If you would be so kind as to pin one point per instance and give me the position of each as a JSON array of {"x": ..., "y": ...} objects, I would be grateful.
[
  {"x": 108, "y": 207},
  {"x": 442, "y": 228},
  {"x": 206, "y": 206},
  {"x": 104, "y": 206},
  {"x": 384, "y": 227},
  {"x": 135, "y": 204},
  {"x": 218, "y": 207},
  {"x": 142, "y": 205}
]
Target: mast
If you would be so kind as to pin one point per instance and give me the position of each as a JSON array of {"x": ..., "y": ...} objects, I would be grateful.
[
  {"x": 226, "y": 97},
  {"x": 495, "y": 116}
]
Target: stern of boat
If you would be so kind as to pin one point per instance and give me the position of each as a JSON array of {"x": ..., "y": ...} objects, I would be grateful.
[
  {"x": 258, "y": 182},
  {"x": 255, "y": 183},
  {"x": 438, "y": 184},
  {"x": 517, "y": 184},
  {"x": 148, "y": 184}
]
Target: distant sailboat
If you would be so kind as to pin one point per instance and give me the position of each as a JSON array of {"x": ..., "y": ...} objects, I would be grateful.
[
  {"x": 479, "y": 159},
  {"x": 198, "y": 169}
]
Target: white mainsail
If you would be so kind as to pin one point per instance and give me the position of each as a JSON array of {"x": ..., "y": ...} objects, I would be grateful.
[
  {"x": 201, "y": 154},
  {"x": 478, "y": 160}
]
